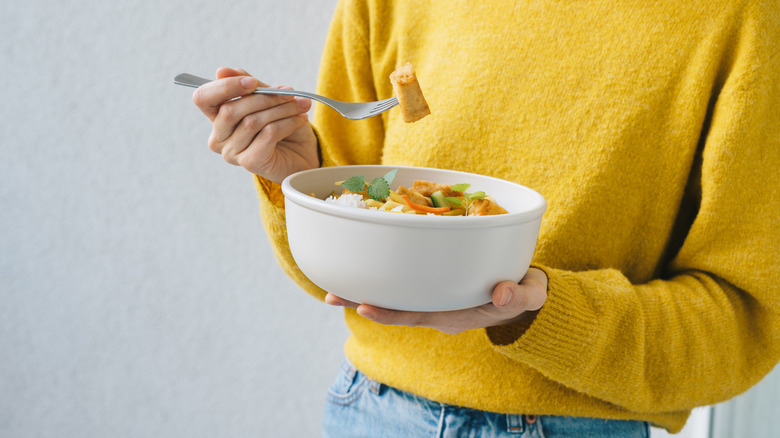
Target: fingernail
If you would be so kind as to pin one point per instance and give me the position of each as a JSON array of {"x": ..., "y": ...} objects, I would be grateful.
[
  {"x": 285, "y": 97},
  {"x": 249, "y": 83},
  {"x": 365, "y": 314},
  {"x": 334, "y": 300},
  {"x": 303, "y": 103},
  {"x": 505, "y": 297}
]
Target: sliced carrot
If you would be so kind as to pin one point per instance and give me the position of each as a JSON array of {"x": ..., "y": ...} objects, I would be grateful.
[{"x": 424, "y": 208}]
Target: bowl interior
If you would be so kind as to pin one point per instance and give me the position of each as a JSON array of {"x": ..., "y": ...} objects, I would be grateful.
[{"x": 522, "y": 203}]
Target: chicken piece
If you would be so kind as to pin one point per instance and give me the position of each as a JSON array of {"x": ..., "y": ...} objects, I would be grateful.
[
  {"x": 485, "y": 207},
  {"x": 427, "y": 188},
  {"x": 415, "y": 196}
]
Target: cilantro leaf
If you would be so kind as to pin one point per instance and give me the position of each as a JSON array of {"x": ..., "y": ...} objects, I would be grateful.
[
  {"x": 460, "y": 187},
  {"x": 379, "y": 189},
  {"x": 390, "y": 176},
  {"x": 355, "y": 184}
]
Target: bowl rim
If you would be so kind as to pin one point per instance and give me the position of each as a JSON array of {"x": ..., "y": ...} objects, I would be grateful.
[{"x": 534, "y": 212}]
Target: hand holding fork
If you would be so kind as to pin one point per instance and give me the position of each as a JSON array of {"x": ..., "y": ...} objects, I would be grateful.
[
  {"x": 268, "y": 135},
  {"x": 267, "y": 130}
]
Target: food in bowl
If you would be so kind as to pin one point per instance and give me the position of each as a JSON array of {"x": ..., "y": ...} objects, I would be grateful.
[
  {"x": 413, "y": 262},
  {"x": 423, "y": 197}
]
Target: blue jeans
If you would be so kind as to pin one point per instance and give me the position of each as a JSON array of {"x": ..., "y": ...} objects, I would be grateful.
[{"x": 360, "y": 407}]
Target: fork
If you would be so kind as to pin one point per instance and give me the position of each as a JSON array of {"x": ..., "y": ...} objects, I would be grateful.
[{"x": 350, "y": 110}]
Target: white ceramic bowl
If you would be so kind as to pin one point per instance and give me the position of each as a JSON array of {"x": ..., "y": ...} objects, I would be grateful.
[{"x": 409, "y": 262}]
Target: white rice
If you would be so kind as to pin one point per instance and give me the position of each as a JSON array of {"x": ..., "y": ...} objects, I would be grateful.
[
  {"x": 356, "y": 201},
  {"x": 348, "y": 200}
]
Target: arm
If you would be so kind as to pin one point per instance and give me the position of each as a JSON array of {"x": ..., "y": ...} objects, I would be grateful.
[
  {"x": 346, "y": 74},
  {"x": 709, "y": 327}
]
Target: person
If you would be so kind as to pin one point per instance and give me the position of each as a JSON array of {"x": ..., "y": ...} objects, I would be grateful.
[{"x": 651, "y": 128}]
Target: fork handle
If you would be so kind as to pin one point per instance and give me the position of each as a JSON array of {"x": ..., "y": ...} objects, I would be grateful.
[
  {"x": 190, "y": 80},
  {"x": 306, "y": 94}
]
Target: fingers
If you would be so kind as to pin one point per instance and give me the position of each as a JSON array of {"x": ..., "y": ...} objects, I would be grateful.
[
  {"x": 226, "y": 72},
  {"x": 269, "y": 135},
  {"x": 529, "y": 294},
  {"x": 396, "y": 317},
  {"x": 210, "y": 97},
  {"x": 510, "y": 302},
  {"x": 333, "y": 300},
  {"x": 393, "y": 317},
  {"x": 254, "y": 141},
  {"x": 246, "y": 116},
  {"x": 450, "y": 322},
  {"x": 230, "y": 84},
  {"x": 256, "y": 122}
]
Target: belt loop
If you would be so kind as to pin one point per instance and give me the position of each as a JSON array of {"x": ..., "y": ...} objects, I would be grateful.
[
  {"x": 514, "y": 423},
  {"x": 348, "y": 369},
  {"x": 374, "y": 386}
]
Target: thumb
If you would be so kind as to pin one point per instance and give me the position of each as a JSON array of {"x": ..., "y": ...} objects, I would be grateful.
[{"x": 529, "y": 294}]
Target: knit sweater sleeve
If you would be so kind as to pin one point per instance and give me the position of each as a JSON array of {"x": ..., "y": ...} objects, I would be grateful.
[
  {"x": 709, "y": 327},
  {"x": 346, "y": 74}
]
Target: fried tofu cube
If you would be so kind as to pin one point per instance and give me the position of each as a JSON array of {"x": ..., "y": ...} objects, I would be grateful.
[{"x": 410, "y": 96}]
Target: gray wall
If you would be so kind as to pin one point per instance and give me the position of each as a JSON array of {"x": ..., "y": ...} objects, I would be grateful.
[
  {"x": 138, "y": 294},
  {"x": 754, "y": 414}
]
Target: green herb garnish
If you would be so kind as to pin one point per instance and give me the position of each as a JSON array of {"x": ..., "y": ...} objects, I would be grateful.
[
  {"x": 379, "y": 188},
  {"x": 470, "y": 197},
  {"x": 390, "y": 176},
  {"x": 355, "y": 184}
]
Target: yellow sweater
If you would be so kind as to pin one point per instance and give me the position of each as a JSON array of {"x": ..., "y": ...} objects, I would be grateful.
[{"x": 652, "y": 128}]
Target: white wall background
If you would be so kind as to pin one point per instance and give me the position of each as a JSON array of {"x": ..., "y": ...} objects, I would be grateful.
[{"x": 138, "y": 294}]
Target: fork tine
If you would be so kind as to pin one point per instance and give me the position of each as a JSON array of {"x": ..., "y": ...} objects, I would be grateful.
[
  {"x": 381, "y": 108},
  {"x": 360, "y": 111},
  {"x": 385, "y": 105}
]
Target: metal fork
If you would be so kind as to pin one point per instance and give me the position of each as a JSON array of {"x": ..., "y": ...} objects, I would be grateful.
[{"x": 350, "y": 110}]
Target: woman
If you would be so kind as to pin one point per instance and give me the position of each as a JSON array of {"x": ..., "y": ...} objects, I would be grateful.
[{"x": 651, "y": 128}]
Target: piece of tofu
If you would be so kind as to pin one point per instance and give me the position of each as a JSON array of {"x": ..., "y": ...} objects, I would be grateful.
[
  {"x": 414, "y": 196},
  {"x": 485, "y": 207},
  {"x": 427, "y": 188},
  {"x": 410, "y": 96}
]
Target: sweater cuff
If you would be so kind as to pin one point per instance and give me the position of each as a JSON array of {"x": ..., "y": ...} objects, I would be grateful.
[
  {"x": 560, "y": 334},
  {"x": 273, "y": 215},
  {"x": 269, "y": 192}
]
